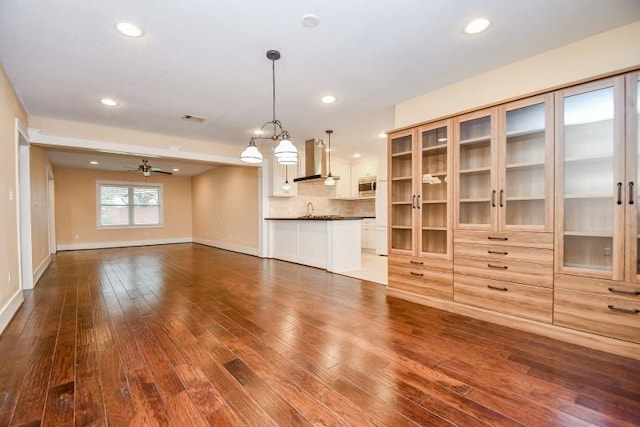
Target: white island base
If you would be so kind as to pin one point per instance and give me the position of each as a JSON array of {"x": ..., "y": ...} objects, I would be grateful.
[{"x": 330, "y": 244}]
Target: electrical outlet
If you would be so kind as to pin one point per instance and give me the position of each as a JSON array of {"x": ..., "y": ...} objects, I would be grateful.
[
  {"x": 10, "y": 278},
  {"x": 11, "y": 194}
]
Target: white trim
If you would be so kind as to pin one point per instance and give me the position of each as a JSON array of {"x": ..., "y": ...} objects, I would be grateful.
[
  {"x": 10, "y": 308},
  {"x": 229, "y": 247},
  {"x": 137, "y": 150},
  {"x": 122, "y": 244},
  {"x": 23, "y": 207},
  {"x": 39, "y": 271}
]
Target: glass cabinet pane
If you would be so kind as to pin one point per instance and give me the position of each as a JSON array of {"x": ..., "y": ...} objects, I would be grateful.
[
  {"x": 401, "y": 193},
  {"x": 474, "y": 184},
  {"x": 589, "y": 179},
  {"x": 435, "y": 143},
  {"x": 525, "y": 188}
]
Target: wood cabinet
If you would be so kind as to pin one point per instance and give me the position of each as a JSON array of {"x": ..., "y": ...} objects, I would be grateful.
[
  {"x": 504, "y": 167},
  {"x": 597, "y": 286},
  {"x": 504, "y": 195},
  {"x": 420, "y": 230},
  {"x": 541, "y": 197}
]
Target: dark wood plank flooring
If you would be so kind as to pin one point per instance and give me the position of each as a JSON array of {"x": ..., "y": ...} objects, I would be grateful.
[{"x": 188, "y": 335}]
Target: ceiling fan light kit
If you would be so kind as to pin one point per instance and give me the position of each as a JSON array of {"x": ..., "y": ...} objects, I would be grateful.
[
  {"x": 285, "y": 152},
  {"x": 147, "y": 169}
]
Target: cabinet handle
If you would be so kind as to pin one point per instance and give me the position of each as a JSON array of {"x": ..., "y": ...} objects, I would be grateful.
[
  {"x": 622, "y": 291},
  {"x": 416, "y": 262},
  {"x": 498, "y": 252},
  {"x": 497, "y": 238},
  {"x": 501, "y": 267},
  {"x": 413, "y": 201},
  {"x": 502, "y": 198},
  {"x": 497, "y": 288},
  {"x": 630, "y": 192},
  {"x": 624, "y": 310},
  {"x": 493, "y": 198},
  {"x": 416, "y": 274},
  {"x": 418, "y": 204},
  {"x": 619, "y": 193}
]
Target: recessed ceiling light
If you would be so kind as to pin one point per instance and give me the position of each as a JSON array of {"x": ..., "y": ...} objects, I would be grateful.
[
  {"x": 356, "y": 155},
  {"x": 310, "y": 20},
  {"x": 382, "y": 135},
  {"x": 329, "y": 99},
  {"x": 477, "y": 26},
  {"x": 108, "y": 102},
  {"x": 129, "y": 29},
  {"x": 93, "y": 162},
  {"x": 175, "y": 170}
]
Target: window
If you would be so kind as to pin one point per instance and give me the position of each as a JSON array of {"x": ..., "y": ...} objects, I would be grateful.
[{"x": 129, "y": 205}]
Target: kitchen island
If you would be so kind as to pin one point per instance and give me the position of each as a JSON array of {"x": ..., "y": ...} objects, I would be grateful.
[{"x": 329, "y": 242}]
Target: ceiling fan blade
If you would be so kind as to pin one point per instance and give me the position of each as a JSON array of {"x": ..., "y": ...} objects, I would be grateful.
[{"x": 159, "y": 171}]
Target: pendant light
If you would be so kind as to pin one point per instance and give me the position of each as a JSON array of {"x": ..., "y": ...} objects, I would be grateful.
[
  {"x": 329, "y": 180},
  {"x": 286, "y": 187},
  {"x": 285, "y": 152}
]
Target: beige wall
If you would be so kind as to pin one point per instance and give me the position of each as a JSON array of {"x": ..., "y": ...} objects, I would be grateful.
[
  {"x": 40, "y": 169},
  {"x": 608, "y": 52},
  {"x": 226, "y": 207},
  {"x": 75, "y": 194},
  {"x": 10, "y": 109}
]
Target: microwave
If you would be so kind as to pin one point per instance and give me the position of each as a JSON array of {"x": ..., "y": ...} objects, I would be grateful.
[{"x": 367, "y": 186}]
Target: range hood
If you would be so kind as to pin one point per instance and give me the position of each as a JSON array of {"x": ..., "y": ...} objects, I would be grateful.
[{"x": 315, "y": 161}]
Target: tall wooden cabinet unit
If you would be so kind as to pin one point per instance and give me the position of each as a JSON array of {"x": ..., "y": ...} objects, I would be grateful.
[
  {"x": 420, "y": 170},
  {"x": 597, "y": 286},
  {"x": 503, "y": 241}
]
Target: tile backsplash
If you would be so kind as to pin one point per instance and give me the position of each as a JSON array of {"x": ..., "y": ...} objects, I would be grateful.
[{"x": 318, "y": 194}]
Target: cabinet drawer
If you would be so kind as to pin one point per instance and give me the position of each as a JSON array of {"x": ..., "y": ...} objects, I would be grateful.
[
  {"x": 524, "y": 273},
  {"x": 530, "y": 302},
  {"x": 511, "y": 238},
  {"x": 504, "y": 252},
  {"x": 417, "y": 263},
  {"x": 609, "y": 288},
  {"x": 611, "y": 317},
  {"x": 421, "y": 281}
]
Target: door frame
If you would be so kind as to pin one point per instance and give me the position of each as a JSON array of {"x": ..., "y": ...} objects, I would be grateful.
[{"x": 23, "y": 206}]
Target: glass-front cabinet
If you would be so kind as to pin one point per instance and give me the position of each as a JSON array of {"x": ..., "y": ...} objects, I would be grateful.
[
  {"x": 402, "y": 194},
  {"x": 505, "y": 167},
  {"x": 632, "y": 245},
  {"x": 590, "y": 179},
  {"x": 420, "y": 170},
  {"x": 433, "y": 181}
]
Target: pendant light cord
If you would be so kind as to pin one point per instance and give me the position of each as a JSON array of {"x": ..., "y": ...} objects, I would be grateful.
[{"x": 273, "y": 86}]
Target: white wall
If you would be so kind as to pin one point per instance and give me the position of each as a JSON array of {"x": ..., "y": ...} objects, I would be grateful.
[{"x": 608, "y": 52}]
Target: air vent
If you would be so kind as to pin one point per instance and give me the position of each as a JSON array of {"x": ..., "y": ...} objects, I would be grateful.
[{"x": 192, "y": 118}]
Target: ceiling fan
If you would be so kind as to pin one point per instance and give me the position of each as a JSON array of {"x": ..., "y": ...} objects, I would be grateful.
[{"x": 147, "y": 169}]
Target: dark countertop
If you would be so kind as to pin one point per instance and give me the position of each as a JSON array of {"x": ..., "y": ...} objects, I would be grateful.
[{"x": 319, "y": 218}]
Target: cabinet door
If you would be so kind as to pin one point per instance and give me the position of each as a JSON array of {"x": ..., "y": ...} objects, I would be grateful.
[
  {"x": 589, "y": 175},
  {"x": 632, "y": 245},
  {"x": 476, "y": 162},
  {"x": 343, "y": 185},
  {"x": 402, "y": 194},
  {"x": 525, "y": 190},
  {"x": 433, "y": 178}
]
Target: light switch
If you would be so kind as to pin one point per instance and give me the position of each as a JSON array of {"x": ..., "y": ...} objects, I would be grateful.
[{"x": 11, "y": 195}]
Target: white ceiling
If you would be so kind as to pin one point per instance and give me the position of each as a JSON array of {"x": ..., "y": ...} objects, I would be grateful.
[
  {"x": 207, "y": 58},
  {"x": 73, "y": 158}
]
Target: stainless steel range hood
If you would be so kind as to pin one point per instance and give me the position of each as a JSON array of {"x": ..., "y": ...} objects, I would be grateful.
[{"x": 315, "y": 161}]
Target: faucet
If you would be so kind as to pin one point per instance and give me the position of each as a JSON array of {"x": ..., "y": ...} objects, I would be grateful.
[{"x": 309, "y": 205}]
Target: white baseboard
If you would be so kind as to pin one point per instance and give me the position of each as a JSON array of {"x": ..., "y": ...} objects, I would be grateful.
[
  {"x": 123, "y": 244},
  {"x": 229, "y": 246},
  {"x": 10, "y": 308},
  {"x": 37, "y": 274}
]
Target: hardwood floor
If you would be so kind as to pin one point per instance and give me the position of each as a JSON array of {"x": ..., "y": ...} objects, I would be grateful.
[{"x": 188, "y": 335}]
